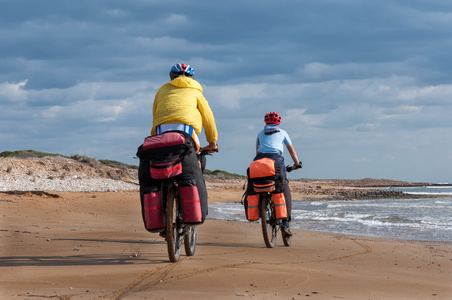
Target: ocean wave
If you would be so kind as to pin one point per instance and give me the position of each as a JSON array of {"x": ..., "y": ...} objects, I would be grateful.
[{"x": 422, "y": 219}]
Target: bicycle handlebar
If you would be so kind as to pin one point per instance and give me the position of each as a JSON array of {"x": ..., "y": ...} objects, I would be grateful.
[
  {"x": 206, "y": 152},
  {"x": 294, "y": 167}
]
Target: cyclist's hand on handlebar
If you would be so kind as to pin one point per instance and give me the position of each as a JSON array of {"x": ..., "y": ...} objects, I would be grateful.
[
  {"x": 294, "y": 167},
  {"x": 212, "y": 147}
]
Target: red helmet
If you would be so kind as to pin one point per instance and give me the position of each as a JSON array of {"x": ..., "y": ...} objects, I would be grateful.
[{"x": 272, "y": 118}]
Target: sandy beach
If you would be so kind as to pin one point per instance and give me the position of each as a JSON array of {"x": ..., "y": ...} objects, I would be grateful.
[{"x": 92, "y": 245}]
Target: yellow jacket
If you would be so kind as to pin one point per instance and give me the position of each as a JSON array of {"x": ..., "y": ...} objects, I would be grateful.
[{"x": 181, "y": 101}]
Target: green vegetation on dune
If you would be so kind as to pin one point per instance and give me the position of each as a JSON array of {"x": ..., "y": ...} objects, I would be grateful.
[
  {"x": 117, "y": 164},
  {"x": 26, "y": 154},
  {"x": 224, "y": 173}
]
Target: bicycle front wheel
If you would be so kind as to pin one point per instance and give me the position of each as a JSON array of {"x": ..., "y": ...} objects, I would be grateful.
[
  {"x": 173, "y": 227},
  {"x": 268, "y": 221},
  {"x": 190, "y": 234}
]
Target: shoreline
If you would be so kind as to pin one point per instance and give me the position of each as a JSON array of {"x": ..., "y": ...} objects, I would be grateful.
[
  {"x": 221, "y": 194},
  {"x": 383, "y": 234},
  {"x": 92, "y": 245}
]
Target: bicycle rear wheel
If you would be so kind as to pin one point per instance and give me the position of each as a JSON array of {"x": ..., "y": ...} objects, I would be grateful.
[
  {"x": 268, "y": 221},
  {"x": 190, "y": 234},
  {"x": 286, "y": 239},
  {"x": 174, "y": 232}
]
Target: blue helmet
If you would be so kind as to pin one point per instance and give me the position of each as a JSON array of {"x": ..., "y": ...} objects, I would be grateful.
[{"x": 181, "y": 70}]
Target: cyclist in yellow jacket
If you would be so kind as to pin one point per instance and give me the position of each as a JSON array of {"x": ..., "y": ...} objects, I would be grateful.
[
  {"x": 180, "y": 105},
  {"x": 181, "y": 102}
]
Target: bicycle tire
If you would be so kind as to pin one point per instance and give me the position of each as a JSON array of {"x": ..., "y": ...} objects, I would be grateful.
[
  {"x": 287, "y": 239},
  {"x": 268, "y": 221},
  {"x": 173, "y": 238},
  {"x": 190, "y": 234}
]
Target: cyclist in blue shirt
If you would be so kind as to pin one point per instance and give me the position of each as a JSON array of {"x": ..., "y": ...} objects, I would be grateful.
[{"x": 270, "y": 143}]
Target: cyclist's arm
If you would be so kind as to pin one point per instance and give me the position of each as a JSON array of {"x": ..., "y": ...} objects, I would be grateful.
[
  {"x": 208, "y": 121},
  {"x": 293, "y": 154}
]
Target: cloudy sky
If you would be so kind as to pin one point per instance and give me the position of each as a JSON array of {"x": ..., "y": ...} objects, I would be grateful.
[{"x": 364, "y": 87}]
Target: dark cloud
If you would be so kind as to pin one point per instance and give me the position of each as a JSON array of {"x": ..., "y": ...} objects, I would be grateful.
[{"x": 360, "y": 80}]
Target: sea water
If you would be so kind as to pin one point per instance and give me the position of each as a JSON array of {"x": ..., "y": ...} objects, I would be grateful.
[{"x": 428, "y": 219}]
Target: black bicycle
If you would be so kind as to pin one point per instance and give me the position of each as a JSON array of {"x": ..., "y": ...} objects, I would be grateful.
[
  {"x": 270, "y": 224},
  {"x": 176, "y": 231}
]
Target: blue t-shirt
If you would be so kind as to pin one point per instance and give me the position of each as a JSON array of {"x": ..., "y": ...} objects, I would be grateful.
[{"x": 272, "y": 143}]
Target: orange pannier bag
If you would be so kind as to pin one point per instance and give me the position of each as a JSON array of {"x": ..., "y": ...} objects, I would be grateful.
[
  {"x": 264, "y": 174},
  {"x": 263, "y": 167},
  {"x": 253, "y": 207},
  {"x": 263, "y": 170},
  {"x": 267, "y": 186},
  {"x": 280, "y": 205}
]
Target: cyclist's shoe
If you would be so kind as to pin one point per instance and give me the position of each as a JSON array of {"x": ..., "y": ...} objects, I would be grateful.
[
  {"x": 163, "y": 233},
  {"x": 286, "y": 229}
]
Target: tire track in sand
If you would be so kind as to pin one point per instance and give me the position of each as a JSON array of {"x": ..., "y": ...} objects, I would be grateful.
[
  {"x": 148, "y": 279},
  {"x": 161, "y": 274}
]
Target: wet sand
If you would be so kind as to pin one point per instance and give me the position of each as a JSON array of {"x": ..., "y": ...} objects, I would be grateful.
[{"x": 92, "y": 245}]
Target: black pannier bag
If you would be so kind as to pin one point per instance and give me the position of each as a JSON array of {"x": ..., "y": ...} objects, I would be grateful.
[
  {"x": 161, "y": 157},
  {"x": 165, "y": 153}
]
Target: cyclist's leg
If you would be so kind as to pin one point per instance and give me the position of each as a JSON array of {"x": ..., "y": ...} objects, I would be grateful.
[
  {"x": 288, "y": 199},
  {"x": 202, "y": 162}
]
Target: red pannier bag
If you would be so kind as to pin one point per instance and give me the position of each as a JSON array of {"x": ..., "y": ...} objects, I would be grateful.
[
  {"x": 165, "y": 152},
  {"x": 153, "y": 211},
  {"x": 166, "y": 169},
  {"x": 191, "y": 204}
]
